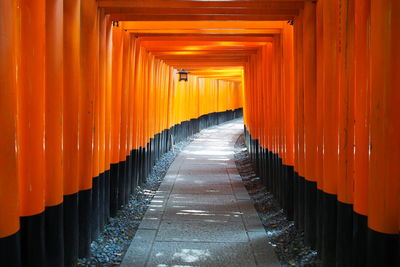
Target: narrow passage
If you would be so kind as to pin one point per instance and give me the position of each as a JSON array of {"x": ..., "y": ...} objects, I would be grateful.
[{"x": 202, "y": 214}]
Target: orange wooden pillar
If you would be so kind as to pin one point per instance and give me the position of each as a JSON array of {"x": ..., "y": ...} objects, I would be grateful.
[
  {"x": 257, "y": 131},
  {"x": 107, "y": 121},
  {"x": 288, "y": 115},
  {"x": 279, "y": 111},
  {"x": 54, "y": 189},
  {"x": 88, "y": 81},
  {"x": 268, "y": 115},
  {"x": 96, "y": 173},
  {"x": 136, "y": 116},
  {"x": 280, "y": 130},
  {"x": 263, "y": 129},
  {"x": 71, "y": 84},
  {"x": 97, "y": 167},
  {"x": 310, "y": 122},
  {"x": 288, "y": 88},
  {"x": 320, "y": 121},
  {"x": 299, "y": 124},
  {"x": 330, "y": 130},
  {"x": 252, "y": 112},
  {"x": 384, "y": 144},
  {"x": 9, "y": 194},
  {"x": 131, "y": 77},
  {"x": 131, "y": 114},
  {"x": 345, "y": 179},
  {"x": 123, "y": 167},
  {"x": 139, "y": 113},
  {"x": 275, "y": 115},
  {"x": 31, "y": 130},
  {"x": 102, "y": 119},
  {"x": 361, "y": 131},
  {"x": 116, "y": 80},
  {"x": 150, "y": 112},
  {"x": 146, "y": 116}
]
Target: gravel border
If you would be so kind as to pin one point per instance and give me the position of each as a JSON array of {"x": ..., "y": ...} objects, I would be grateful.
[
  {"x": 110, "y": 248},
  {"x": 282, "y": 234}
]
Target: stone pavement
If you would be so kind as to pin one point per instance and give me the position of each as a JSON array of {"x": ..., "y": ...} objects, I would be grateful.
[{"x": 202, "y": 214}]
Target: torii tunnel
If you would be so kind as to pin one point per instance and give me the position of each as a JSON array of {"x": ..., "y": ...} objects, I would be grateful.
[{"x": 90, "y": 98}]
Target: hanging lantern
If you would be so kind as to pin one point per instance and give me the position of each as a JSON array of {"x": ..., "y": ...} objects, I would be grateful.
[{"x": 183, "y": 75}]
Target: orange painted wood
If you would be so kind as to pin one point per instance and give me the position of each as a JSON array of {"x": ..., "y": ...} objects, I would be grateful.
[
  {"x": 9, "y": 193},
  {"x": 320, "y": 94},
  {"x": 299, "y": 98},
  {"x": 346, "y": 104},
  {"x": 361, "y": 107},
  {"x": 123, "y": 146},
  {"x": 54, "y": 189},
  {"x": 88, "y": 80},
  {"x": 71, "y": 34},
  {"x": 384, "y": 146},
  {"x": 31, "y": 107},
  {"x": 190, "y": 3},
  {"x": 289, "y": 93},
  {"x": 108, "y": 95},
  {"x": 310, "y": 91},
  {"x": 102, "y": 91},
  {"x": 330, "y": 96},
  {"x": 116, "y": 81}
]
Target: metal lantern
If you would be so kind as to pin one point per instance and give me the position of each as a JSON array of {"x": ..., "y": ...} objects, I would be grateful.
[{"x": 183, "y": 75}]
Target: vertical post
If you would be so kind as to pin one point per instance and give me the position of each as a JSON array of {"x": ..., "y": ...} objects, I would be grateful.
[
  {"x": 361, "y": 131},
  {"x": 310, "y": 122},
  {"x": 31, "y": 130},
  {"x": 299, "y": 24},
  {"x": 54, "y": 230},
  {"x": 289, "y": 113},
  {"x": 320, "y": 121},
  {"x": 115, "y": 108},
  {"x": 107, "y": 120},
  {"x": 330, "y": 130},
  {"x": 102, "y": 117},
  {"x": 88, "y": 81},
  {"x": 384, "y": 145},
  {"x": 10, "y": 246},
  {"x": 345, "y": 179},
  {"x": 71, "y": 83}
]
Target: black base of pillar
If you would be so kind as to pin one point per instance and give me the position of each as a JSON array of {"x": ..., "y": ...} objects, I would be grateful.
[
  {"x": 319, "y": 218},
  {"x": 383, "y": 249},
  {"x": 329, "y": 211},
  {"x": 289, "y": 195},
  {"x": 71, "y": 229},
  {"x": 300, "y": 202},
  {"x": 10, "y": 250},
  {"x": 360, "y": 233},
  {"x": 33, "y": 252},
  {"x": 107, "y": 196},
  {"x": 94, "y": 217},
  {"x": 128, "y": 180},
  {"x": 85, "y": 206},
  {"x": 121, "y": 184},
  {"x": 344, "y": 237},
  {"x": 54, "y": 236},
  {"x": 310, "y": 213},
  {"x": 102, "y": 203},
  {"x": 114, "y": 189}
]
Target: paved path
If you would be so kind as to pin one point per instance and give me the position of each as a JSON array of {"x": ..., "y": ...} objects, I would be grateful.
[{"x": 202, "y": 214}]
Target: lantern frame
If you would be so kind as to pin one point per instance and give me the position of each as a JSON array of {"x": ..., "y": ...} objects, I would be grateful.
[{"x": 183, "y": 75}]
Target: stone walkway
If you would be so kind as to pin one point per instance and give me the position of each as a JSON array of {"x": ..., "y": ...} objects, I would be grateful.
[{"x": 202, "y": 214}]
